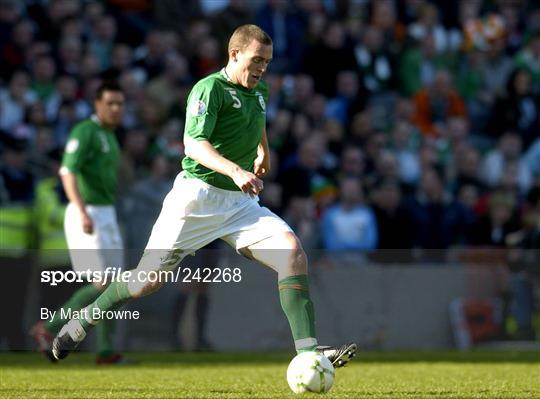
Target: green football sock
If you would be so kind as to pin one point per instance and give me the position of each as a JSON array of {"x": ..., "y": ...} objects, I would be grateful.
[
  {"x": 112, "y": 298},
  {"x": 80, "y": 298},
  {"x": 295, "y": 301},
  {"x": 105, "y": 336}
]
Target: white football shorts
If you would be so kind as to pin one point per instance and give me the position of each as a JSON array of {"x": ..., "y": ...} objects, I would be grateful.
[
  {"x": 99, "y": 250},
  {"x": 195, "y": 213}
]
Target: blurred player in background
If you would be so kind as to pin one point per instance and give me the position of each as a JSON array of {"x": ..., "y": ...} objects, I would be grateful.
[{"x": 89, "y": 176}]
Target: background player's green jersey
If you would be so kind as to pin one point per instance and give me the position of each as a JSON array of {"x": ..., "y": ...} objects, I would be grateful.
[
  {"x": 92, "y": 155},
  {"x": 232, "y": 118}
]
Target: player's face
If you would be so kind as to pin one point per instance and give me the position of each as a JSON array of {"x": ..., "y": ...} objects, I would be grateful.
[
  {"x": 110, "y": 108},
  {"x": 252, "y": 63}
]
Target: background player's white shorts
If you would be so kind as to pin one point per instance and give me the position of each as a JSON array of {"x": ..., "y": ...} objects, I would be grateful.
[
  {"x": 195, "y": 213},
  {"x": 99, "y": 250}
]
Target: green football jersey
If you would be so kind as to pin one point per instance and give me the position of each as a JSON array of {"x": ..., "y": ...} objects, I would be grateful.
[
  {"x": 232, "y": 118},
  {"x": 92, "y": 154}
]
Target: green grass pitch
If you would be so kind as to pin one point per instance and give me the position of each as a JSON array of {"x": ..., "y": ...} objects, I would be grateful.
[{"x": 370, "y": 375}]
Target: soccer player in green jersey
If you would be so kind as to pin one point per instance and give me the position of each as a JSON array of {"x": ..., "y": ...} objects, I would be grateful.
[
  {"x": 89, "y": 176},
  {"x": 216, "y": 196}
]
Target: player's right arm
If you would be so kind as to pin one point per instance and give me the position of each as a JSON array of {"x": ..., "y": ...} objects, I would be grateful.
[
  {"x": 69, "y": 181},
  {"x": 205, "y": 153},
  {"x": 76, "y": 151}
]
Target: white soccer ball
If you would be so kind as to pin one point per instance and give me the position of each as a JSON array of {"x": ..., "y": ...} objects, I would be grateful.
[{"x": 310, "y": 372}]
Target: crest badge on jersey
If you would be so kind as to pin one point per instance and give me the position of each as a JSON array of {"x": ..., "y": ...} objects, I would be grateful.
[
  {"x": 261, "y": 101},
  {"x": 198, "y": 108},
  {"x": 72, "y": 146}
]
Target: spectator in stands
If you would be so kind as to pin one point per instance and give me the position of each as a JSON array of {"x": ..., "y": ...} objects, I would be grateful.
[
  {"x": 349, "y": 225},
  {"x": 206, "y": 58},
  {"x": 13, "y": 52},
  {"x": 297, "y": 92},
  {"x": 352, "y": 163},
  {"x": 438, "y": 221},
  {"x": 151, "y": 56},
  {"x": 14, "y": 100},
  {"x": 361, "y": 127},
  {"x": 403, "y": 148},
  {"x": 43, "y": 76},
  {"x": 482, "y": 78},
  {"x": 170, "y": 88},
  {"x": 498, "y": 160},
  {"x": 436, "y": 103},
  {"x": 493, "y": 229},
  {"x": 373, "y": 148},
  {"x": 334, "y": 46},
  {"x": 70, "y": 52},
  {"x": 133, "y": 85},
  {"x": 532, "y": 158},
  {"x": 101, "y": 41},
  {"x": 121, "y": 61},
  {"x": 384, "y": 18},
  {"x": 518, "y": 109},
  {"x": 428, "y": 24},
  {"x": 348, "y": 100},
  {"x": 306, "y": 175},
  {"x": 374, "y": 61},
  {"x": 418, "y": 65},
  {"x": 66, "y": 91},
  {"x": 90, "y": 67},
  {"x": 467, "y": 166},
  {"x": 529, "y": 59},
  {"x": 393, "y": 223},
  {"x": 386, "y": 168},
  {"x": 286, "y": 26}
]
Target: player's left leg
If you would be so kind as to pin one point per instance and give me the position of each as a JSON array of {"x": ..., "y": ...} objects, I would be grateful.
[
  {"x": 261, "y": 235},
  {"x": 283, "y": 253}
]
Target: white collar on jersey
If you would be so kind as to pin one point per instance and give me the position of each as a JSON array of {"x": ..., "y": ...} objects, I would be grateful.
[
  {"x": 225, "y": 74},
  {"x": 95, "y": 118}
]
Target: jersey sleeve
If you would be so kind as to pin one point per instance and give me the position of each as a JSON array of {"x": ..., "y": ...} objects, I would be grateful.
[
  {"x": 203, "y": 106},
  {"x": 77, "y": 150}
]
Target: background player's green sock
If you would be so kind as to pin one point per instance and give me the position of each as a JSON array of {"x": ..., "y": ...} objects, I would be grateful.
[
  {"x": 295, "y": 301},
  {"x": 112, "y": 298},
  {"x": 105, "y": 335},
  {"x": 80, "y": 298}
]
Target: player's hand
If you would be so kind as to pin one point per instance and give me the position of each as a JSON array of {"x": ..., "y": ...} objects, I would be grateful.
[
  {"x": 247, "y": 182},
  {"x": 261, "y": 166},
  {"x": 87, "y": 223}
]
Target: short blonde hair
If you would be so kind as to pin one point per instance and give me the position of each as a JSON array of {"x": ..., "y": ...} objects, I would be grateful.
[{"x": 245, "y": 34}]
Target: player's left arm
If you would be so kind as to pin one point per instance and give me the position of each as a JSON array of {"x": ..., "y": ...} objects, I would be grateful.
[{"x": 261, "y": 165}]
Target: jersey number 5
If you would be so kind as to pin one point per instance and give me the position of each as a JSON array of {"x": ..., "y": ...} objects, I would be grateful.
[{"x": 237, "y": 103}]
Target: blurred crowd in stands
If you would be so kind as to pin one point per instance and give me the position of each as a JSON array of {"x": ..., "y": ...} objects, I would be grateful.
[{"x": 393, "y": 124}]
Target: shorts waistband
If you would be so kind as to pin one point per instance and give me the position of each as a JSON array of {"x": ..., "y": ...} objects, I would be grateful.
[
  {"x": 209, "y": 187},
  {"x": 92, "y": 206}
]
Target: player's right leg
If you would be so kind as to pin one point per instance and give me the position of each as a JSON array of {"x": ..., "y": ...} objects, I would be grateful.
[
  {"x": 173, "y": 230},
  {"x": 43, "y": 332},
  {"x": 115, "y": 295}
]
